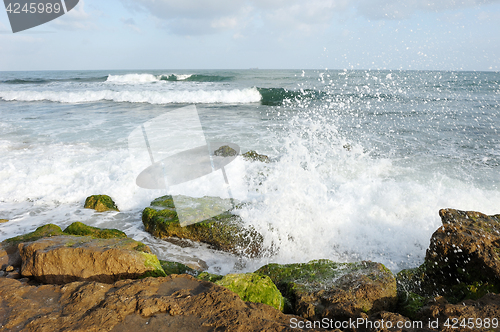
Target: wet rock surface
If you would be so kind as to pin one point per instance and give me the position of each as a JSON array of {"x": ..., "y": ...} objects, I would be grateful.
[
  {"x": 224, "y": 231},
  {"x": 466, "y": 249},
  {"x": 325, "y": 289},
  {"x": 174, "y": 303}
]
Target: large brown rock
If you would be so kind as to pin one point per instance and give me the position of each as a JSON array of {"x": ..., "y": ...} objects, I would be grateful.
[
  {"x": 65, "y": 258},
  {"x": 464, "y": 253},
  {"x": 340, "y": 291},
  {"x": 177, "y": 303}
]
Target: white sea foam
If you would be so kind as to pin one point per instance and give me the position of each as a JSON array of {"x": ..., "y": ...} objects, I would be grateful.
[
  {"x": 145, "y": 78},
  {"x": 182, "y": 77},
  {"x": 235, "y": 96},
  {"x": 133, "y": 78}
]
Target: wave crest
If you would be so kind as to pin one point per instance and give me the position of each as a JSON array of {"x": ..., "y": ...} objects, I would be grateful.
[{"x": 235, "y": 96}]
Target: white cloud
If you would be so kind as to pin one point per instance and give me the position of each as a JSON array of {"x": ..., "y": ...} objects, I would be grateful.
[
  {"x": 192, "y": 17},
  {"x": 76, "y": 19}
]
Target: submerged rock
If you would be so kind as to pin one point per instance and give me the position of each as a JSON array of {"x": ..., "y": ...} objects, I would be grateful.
[
  {"x": 225, "y": 151},
  {"x": 100, "y": 203},
  {"x": 325, "y": 289},
  {"x": 254, "y": 156},
  {"x": 176, "y": 303},
  {"x": 224, "y": 231}
]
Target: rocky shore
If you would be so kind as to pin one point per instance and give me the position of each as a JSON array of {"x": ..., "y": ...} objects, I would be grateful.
[{"x": 84, "y": 278}]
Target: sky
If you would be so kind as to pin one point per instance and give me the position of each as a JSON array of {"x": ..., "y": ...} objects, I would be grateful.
[{"x": 267, "y": 34}]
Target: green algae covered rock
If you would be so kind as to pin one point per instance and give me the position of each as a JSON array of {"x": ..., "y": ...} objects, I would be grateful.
[
  {"x": 177, "y": 268},
  {"x": 209, "y": 277},
  {"x": 41, "y": 232},
  {"x": 253, "y": 287},
  {"x": 78, "y": 228},
  {"x": 100, "y": 203},
  {"x": 224, "y": 231},
  {"x": 80, "y": 252},
  {"x": 325, "y": 289}
]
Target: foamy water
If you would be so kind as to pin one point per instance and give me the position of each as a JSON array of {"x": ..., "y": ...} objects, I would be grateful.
[{"x": 361, "y": 166}]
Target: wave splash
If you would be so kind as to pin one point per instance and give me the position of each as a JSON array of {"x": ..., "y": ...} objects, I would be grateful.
[{"x": 328, "y": 198}]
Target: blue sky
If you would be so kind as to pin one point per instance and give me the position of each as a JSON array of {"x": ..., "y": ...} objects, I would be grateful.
[{"x": 277, "y": 34}]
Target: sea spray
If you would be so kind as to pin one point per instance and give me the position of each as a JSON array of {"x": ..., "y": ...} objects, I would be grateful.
[{"x": 326, "y": 197}]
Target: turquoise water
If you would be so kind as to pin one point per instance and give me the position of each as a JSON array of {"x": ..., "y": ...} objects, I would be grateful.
[{"x": 363, "y": 160}]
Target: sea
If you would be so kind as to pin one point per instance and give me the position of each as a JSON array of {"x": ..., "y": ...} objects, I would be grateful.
[{"x": 361, "y": 160}]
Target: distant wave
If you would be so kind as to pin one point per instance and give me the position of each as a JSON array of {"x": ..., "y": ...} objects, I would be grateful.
[
  {"x": 198, "y": 78},
  {"x": 50, "y": 80},
  {"x": 149, "y": 78},
  {"x": 235, "y": 96},
  {"x": 277, "y": 96}
]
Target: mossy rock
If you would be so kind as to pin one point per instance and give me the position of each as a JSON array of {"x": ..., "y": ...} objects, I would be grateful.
[
  {"x": 41, "y": 232},
  {"x": 209, "y": 277},
  {"x": 151, "y": 261},
  {"x": 177, "y": 268},
  {"x": 164, "y": 202},
  {"x": 253, "y": 287},
  {"x": 325, "y": 289},
  {"x": 78, "y": 228},
  {"x": 254, "y": 156},
  {"x": 223, "y": 232},
  {"x": 100, "y": 203}
]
